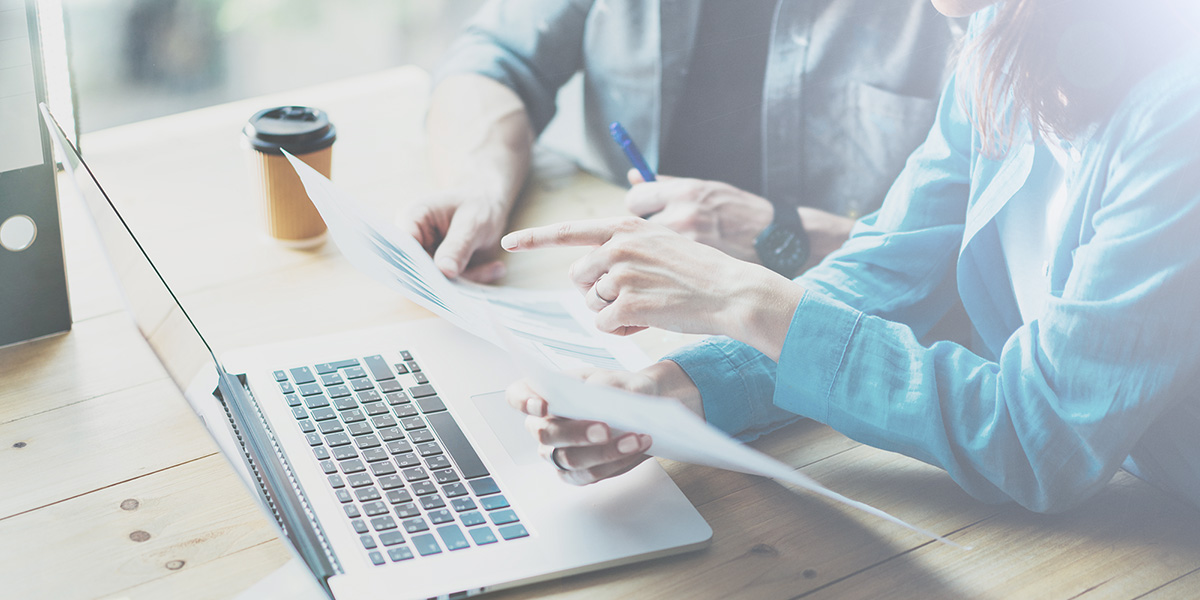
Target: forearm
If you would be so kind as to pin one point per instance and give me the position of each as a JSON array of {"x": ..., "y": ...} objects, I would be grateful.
[{"x": 479, "y": 133}]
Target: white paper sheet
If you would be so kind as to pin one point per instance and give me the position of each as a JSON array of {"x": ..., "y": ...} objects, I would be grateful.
[
  {"x": 554, "y": 326},
  {"x": 546, "y": 334}
]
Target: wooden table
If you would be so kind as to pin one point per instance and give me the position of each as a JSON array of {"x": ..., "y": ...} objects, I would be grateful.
[{"x": 112, "y": 489}]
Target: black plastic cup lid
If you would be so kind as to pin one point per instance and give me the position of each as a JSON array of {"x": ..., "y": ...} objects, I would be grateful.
[{"x": 297, "y": 129}]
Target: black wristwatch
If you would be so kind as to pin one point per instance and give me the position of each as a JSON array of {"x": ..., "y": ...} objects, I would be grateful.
[{"x": 783, "y": 245}]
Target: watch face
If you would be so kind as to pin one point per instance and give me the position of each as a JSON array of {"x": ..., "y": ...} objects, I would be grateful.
[{"x": 782, "y": 250}]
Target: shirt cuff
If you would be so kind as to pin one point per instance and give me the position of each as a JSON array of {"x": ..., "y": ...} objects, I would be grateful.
[{"x": 812, "y": 356}]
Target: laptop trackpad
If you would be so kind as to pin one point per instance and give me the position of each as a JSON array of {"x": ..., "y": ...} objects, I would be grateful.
[{"x": 509, "y": 426}]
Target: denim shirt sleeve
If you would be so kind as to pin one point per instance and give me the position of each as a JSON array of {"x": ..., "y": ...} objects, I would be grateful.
[{"x": 531, "y": 46}]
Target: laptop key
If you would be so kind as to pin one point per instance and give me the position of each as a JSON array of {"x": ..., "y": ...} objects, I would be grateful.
[
  {"x": 351, "y": 511},
  {"x": 292, "y": 399},
  {"x": 395, "y": 398},
  {"x": 280, "y": 376},
  {"x": 360, "y": 428},
  {"x": 374, "y": 454},
  {"x": 456, "y": 443},
  {"x": 408, "y": 459},
  {"x": 410, "y": 423},
  {"x": 454, "y": 490},
  {"x": 421, "y": 435},
  {"x": 345, "y": 403},
  {"x": 484, "y": 487},
  {"x": 345, "y": 452},
  {"x": 382, "y": 468},
  {"x": 462, "y": 504},
  {"x": 375, "y": 508},
  {"x": 391, "y": 482},
  {"x": 415, "y": 474},
  {"x": 332, "y": 379},
  {"x": 445, "y": 475},
  {"x": 383, "y": 422},
  {"x": 337, "y": 439},
  {"x": 405, "y": 355},
  {"x": 412, "y": 365},
  {"x": 323, "y": 414},
  {"x": 368, "y": 542},
  {"x": 503, "y": 517},
  {"x": 368, "y": 396},
  {"x": 328, "y": 427},
  {"x": 429, "y": 448},
  {"x": 317, "y": 401},
  {"x": 344, "y": 496},
  {"x": 287, "y": 387},
  {"x": 494, "y": 502},
  {"x": 399, "y": 496},
  {"x": 353, "y": 466},
  {"x": 313, "y": 439},
  {"x": 404, "y": 410},
  {"x": 431, "y": 404},
  {"x": 383, "y": 523},
  {"x": 415, "y": 525},
  {"x": 358, "y": 480},
  {"x": 338, "y": 391},
  {"x": 336, "y": 481},
  {"x": 401, "y": 369},
  {"x": 359, "y": 525},
  {"x": 432, "y": 502},
  {"x": 353, "y": 415},
  {"x": 302, "y": 375},
  {"x": 321, "y": 452},
  {"x": 426, "y": 544},
  {"x": 307, "y": 426},
  {"x": 355, "y": 372},
  {"x": 420, "y": 378},
  {"x": 391, "y": 538},
  {"x": 391, "y": 385},
  {"x": 359, "y": 385},
  {"x": 473, "y": 518},
  {"x": 309, "y": 389},
  {"x": 438, "y": 462},
  {"x": 440, "y": 516},
  {"x": 379, "y": 367},
  {"x": 422, "y": 488},
  {"x": 482, "y": 536},
  {"x": 391, "y": 434},
  {"x": 376, "y": 558},
  {"x": 299, "y": 412},
  {"x": 453, "y": 537},
  {"x": 367, "y": 441},
  {"x": 328, "y": 467},
  {"x": 421, "y": 391},
  {"x": 367, "y": 494},
  {"x": 399, "y": 447},
  {"x": 407, "y": 510},
  {"x": 399, "y": 554},
  {"x": 512, "y": 532}
]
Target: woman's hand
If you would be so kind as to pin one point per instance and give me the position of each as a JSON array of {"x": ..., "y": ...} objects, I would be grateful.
[
  {"x": 587, "y": 451},
  {"x": 644, "y": 275}
]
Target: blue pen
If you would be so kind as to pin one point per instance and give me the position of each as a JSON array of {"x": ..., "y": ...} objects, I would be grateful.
[{"x": 621, "y": 137}]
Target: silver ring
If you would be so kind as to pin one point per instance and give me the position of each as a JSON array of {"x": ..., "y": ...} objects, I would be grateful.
[
  {"x": 554, "y": 460},
  {"x": 596, "y": 289}
]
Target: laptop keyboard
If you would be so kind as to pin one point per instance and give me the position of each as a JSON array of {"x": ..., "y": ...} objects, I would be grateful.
[{"x": 408, "y": 479}]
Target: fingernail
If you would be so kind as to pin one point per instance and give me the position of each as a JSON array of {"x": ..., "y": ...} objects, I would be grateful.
[
  {"x": 448, "y": 267},
  {"x": 597, "y": 434},
  {"x": 628, "y": 444},
  {"x": 508, "y": 242},
  {"x": 536, "y": 406}
]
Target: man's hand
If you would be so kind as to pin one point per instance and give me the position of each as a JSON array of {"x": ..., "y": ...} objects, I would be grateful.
[
  {"x": 461, "y": 229},
  {"x": 710, "y": 212}
]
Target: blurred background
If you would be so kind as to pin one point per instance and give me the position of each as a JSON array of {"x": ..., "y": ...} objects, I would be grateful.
[{"x": 137, "y": 59}]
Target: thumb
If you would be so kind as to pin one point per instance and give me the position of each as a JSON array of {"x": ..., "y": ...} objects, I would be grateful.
[
  {"x": 645, "y": 199},
  {"x": 461, "y": 241}
]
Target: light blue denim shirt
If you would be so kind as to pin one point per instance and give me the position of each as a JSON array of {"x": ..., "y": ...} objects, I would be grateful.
[
  {"x": 1041, "y": 412},
  {"x": 850, "y": 86}
]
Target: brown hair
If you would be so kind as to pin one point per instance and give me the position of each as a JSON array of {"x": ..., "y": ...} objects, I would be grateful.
[{"x": 1059, "y": 65}]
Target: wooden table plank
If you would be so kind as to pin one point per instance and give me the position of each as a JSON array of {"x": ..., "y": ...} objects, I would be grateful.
[{"x": 134, "y": 532}]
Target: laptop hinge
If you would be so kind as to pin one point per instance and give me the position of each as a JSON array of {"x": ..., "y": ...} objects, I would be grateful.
[{"x": 275, "y": 478}]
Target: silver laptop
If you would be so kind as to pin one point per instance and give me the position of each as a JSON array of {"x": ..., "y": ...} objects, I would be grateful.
[{"x": 388, "y": 457}]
